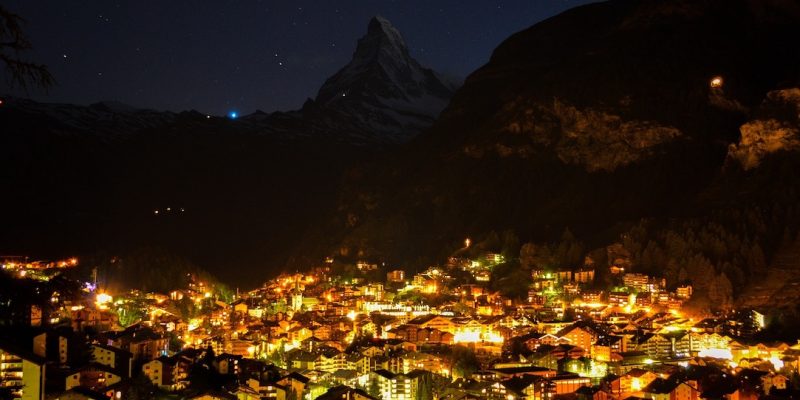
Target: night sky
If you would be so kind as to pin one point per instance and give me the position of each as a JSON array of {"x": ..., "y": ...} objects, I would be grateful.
[{"x": 223, "y": 55}]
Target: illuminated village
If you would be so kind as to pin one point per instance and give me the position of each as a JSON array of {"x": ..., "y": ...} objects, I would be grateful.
[
  {"x": 400, "y": 200},
  {"x": 367, "y": 332}
]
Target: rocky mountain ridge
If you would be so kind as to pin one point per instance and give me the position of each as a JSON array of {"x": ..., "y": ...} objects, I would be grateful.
[
  {"x": 593, "y": 120},
  {"x": 391, "y": 99},
  {"x": 383, "y": 90},
  {"x": 776, "y": 128}
]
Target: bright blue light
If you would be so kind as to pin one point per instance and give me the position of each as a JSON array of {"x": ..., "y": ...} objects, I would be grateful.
[{"x": 233, "y": 115}]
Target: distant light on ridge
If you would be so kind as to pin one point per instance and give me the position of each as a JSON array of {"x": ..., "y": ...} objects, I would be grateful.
[{"x": 233, "y": 115}]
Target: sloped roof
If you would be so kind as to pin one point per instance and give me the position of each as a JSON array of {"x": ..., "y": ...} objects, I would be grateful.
[
  {"x": 296, "y": 376},
  {"x": 340, "y": 392},
  {"x": 115, "y": 349},
  {"x": 91, "y": 394},
  {"x": 21, "y": 353},
  {"x": 662, "y": 386},
  {"x": 519, "y": 383}
]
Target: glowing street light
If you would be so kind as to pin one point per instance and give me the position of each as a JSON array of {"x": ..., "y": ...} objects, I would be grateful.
[{"x": 102, "y": 300}]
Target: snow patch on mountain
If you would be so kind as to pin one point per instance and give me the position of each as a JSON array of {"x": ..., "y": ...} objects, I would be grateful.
[{"x": 384, "y": 88}]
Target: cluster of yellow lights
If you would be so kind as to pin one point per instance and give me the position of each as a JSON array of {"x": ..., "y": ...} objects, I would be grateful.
[
  {"x": 430, "y": 289},
  {"x": 476, "y": 336},
  {"x": 590, "y": 305},
  {"x": 102, "y": 300},
  {"x": 194, "y": 323},
  {"x": 724, "y": 354}
]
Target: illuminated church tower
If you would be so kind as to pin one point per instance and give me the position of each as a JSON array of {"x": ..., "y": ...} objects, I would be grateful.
[{"x": 297, "y": 297}]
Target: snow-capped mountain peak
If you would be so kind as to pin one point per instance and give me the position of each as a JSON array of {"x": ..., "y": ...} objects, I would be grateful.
[
  {"x": 383, "y": 42},
  {"x": 385, "y": 89}
]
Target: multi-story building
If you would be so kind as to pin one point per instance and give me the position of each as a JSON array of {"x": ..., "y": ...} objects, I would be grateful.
[
  {"x": 397, "y": 386},
  {"x": 583, "y": 275},
  {"x": 667, "y": 345},
  {"x": 168, "y": 373},
  {"x": 580, "y": 335},
  {"x": 423, "y": 361},
  {"x": 142, "y": 342},
  {"x": 366, "y": 266},
  {"x": 636, "y": 281},
  {"x": 618, "y": 298},
  {"x": 119, "y": 360},
  {"x": 396, "y": 276},
  {"x": 22, "y": 373},
  {"x": 684, "y": 291}
]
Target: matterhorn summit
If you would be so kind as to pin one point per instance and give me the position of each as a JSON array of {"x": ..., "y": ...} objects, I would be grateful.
[{"x": 384, "y": 89}]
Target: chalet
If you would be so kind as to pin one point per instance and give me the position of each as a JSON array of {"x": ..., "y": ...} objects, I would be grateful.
[
  {"x": 372, "y": 351},
  {"x": 633, "y": 381},
  {"x": 398, "y": 344},
  {"x": 538, "y": 339},
  {"x": 777, "y": 381},
  {"x": 94, "y": 376},
  {"x": 581, "y": 365},
  {"x": 518, "y": 371},
  {"x": 168, "y": 373},
  {"x": 568, "y": 383},
  {"x": 332, "y": 360},
  {"x": 422, "y": 361},
  {"x": 581, "y": 335},
  {"x": 345, "y": 393},
  {"x": 295, "y": 383},
  {"x": 227, "y": 364},
  {"x": 671, "y": 389},
  {"x": 525, "y": 386},
  {"x": 212, "y": 395},
  {"x": 140, "y": 341},
  {"x": 421, "y": 336},
  {"x": 607, "y": 345},
  {"x": 434, "y": 321},
  {"x": 118, "y": 359},
  {"x": 592, "y": 393},
  {"x": 239, "y": 307},
  {"x": 397, "y": 386}
]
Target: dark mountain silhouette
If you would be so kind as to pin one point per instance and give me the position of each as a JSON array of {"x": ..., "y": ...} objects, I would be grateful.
[
  {"x": 382, "y": 97},
  {"x": 593, "y": 120},
  {"x": 231, "y": 195}
]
